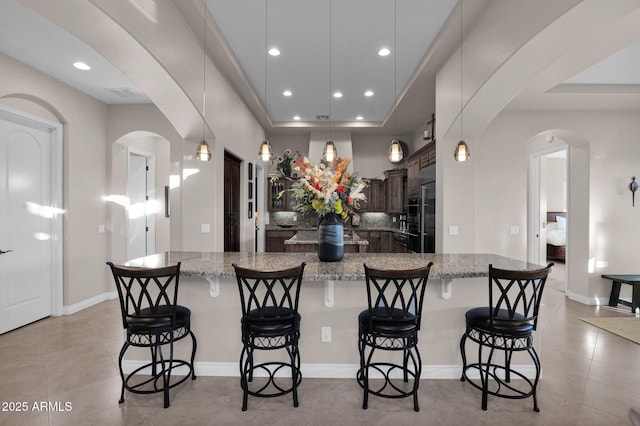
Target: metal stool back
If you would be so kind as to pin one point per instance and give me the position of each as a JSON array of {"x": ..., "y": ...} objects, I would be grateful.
[
  {"x": 270, "y": 321},
  {"x": 507, "y": 324},
  {"x": 391, "y": 323},
  {"x": 152, "y": 318}
]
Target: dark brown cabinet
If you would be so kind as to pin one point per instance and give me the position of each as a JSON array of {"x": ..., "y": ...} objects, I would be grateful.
[
  {"x": 420, "y": 159},
  {"x": 274, "y": 239},
  {"x": 395, "y": 190},
  {"x": 279, "y": 202},
  {"x": 376, "y": 196}
]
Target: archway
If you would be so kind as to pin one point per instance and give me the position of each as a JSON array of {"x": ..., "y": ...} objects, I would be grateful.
[
  {"x": 577, "y": 204},
  {"x": 149, "y": 217}
]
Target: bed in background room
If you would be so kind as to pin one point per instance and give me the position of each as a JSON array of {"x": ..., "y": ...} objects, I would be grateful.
[{"x": 556, "y": 235}]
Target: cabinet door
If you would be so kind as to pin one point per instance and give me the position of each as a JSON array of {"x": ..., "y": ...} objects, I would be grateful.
[
  {"x": 413, "y": 170},
  {"x": 277, "y": 202},
  {"x": 395, "y": 190},
  {"x": 375, "y": 193},
  {"x": 374, "y": 242}
]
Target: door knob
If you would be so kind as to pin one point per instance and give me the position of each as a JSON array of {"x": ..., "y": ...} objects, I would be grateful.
[{"x": 7, "y": 251}]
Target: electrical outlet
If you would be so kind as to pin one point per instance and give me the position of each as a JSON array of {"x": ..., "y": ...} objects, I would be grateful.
[
  {"x": 205, "y": 228},
  {"x": 394, "y": 219},
  {"x": 453, "y": 229},
  {"x": 295, "y": 218},
  {"x": 326, "y": 334},
  {"x": 515, "y": 230}
]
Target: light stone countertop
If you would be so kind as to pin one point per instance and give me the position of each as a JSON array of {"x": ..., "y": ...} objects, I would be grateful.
[
  {"x": 311, "y": 237},
  {"x": 350, "y": 268}
]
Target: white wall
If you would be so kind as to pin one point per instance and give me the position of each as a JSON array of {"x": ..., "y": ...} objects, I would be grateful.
[
  {"x": 500, "y": 163},
  {"x": 85, "y": 171},
  {"x": 369, "y": 152}
]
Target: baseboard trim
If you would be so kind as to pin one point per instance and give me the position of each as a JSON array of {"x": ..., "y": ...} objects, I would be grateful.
[
  {"x": 325, "y": 371},
  {"x": 87, "y": 303}
]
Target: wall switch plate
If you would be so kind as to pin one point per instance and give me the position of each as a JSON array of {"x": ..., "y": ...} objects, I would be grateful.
[
  {"x": 453, "y": 229},
  {"x": 515, "y": 230},
  {"x": 101, "y": 229},
  {"x": 205, "y": 228},
  {"x": 326, "y": 334}
]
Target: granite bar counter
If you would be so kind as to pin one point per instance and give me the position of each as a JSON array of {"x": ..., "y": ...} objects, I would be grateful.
[
  {"x": 445, "y": 266},
  {"x": 332, "y": 295}
]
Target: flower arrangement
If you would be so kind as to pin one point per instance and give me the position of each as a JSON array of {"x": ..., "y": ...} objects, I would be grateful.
[
  {"x": 327, "y": 188},
  {"x": 286, "y": 161}
]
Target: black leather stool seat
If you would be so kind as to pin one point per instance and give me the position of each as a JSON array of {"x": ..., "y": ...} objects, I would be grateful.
[
  {"x": 271, "y": 320},
  {"x": 159, "y": 319},
  {"x": 481, "y": 318},
  {"x": 388, "y": 322}
]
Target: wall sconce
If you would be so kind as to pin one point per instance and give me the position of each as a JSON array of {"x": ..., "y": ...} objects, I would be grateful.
[
  {"x": 329, "y": 153},
  {"x": 633, "y": 187}
]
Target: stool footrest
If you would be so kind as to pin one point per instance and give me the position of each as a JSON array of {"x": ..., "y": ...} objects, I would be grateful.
[
  {"x": 390, "y": 387},
  {"x": 267, "y": 384},
  {"x": 501, "y": 387},
  {"x": 154, "y": 383}
]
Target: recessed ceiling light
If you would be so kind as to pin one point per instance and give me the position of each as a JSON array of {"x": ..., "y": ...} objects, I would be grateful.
[
  {"x": 81, "y": 66},
  {"x": 274, "y": 51},
  {"x": 296, "y": 117},
  {"x": 359, "y": 117},
  {"x": 287, "y": 93},
  {"x": 384, "y": 52},
  {"x": 337, "y": 95},
  {"x": 368, "y": 93}
]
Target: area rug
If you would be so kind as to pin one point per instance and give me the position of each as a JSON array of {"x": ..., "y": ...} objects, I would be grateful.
[{"x": 626, "y": 327}]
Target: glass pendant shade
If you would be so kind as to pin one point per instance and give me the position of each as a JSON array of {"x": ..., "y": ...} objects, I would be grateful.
[
  {"x": 203, "y": 153},
  {"x": 395, "y": 153},
  {"x": 462, "y": 152},
  {"x": 265, "y": 152},
  {"x": 329, "y": 153}
]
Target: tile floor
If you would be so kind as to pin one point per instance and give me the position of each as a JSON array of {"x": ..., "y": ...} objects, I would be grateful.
[{"x": 590, "y": 377}]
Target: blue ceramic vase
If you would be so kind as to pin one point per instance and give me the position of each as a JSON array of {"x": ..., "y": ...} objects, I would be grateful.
[{"x": 330, "y": 238}]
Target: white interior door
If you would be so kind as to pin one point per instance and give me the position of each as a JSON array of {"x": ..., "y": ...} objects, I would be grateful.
[
  {"x": 140, "y": 217},
  {"x": 27, "y": 224}
]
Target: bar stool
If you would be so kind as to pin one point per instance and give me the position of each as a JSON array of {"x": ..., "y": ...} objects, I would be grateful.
[
  {"x": 270, "y": 321},
  {"x": 153, "y": 319},
  {"x": 391, "y": 323},
  {"x": 507, "y": 325}
]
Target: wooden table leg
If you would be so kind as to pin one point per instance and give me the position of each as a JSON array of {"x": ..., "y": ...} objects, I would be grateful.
[
  {"x": 615, "y": 293},
  {"x": 635, "y": 301}
]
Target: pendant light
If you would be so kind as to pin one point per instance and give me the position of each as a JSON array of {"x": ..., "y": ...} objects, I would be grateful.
[
  {"x": 329, "y": 153},
  {"x": 395, "y": 153},
  {"x": 462, "y": 150},
  {"x": 204, "y": 153},
  {"x": 265, "y": 151}
]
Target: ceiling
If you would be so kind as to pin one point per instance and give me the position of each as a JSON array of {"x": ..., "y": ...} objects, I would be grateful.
[{"x": 325, "y": 46}]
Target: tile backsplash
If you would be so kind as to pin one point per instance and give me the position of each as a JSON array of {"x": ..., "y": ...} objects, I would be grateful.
[{"x": 367, "y": 220}]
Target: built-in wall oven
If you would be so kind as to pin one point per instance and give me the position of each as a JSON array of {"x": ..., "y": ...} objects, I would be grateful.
[{"x": 413, "y": 225}]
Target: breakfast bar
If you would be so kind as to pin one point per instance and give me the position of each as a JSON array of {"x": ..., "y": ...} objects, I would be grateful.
[{"x": 332, "y": 295}]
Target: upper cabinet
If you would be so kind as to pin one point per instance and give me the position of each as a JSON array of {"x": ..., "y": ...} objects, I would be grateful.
[
  {"x": 396, "y": 180},
  {"x": 376, "y": 194},
  {"x": 420, "y": 159},
  {"x": 279, "y": 202}
]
